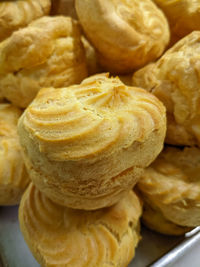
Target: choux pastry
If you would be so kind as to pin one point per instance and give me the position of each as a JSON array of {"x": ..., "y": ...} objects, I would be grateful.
[
  {"x": 48, "y": 52},
  {"x": 13, "y": 176},
  {"x": 19, "y": 13},
  {"x": 174, "y": 79},
  {"x": 126, "y": 34},
  {"x": 86, "y": 145},
  {"x": 60, "y": 236},
  {"x": 154, "y": 220},
  {"x": 183, "y": 16},
  {"x": 171, "y": 185}
]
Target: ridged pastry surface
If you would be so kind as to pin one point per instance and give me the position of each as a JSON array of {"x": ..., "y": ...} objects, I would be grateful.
[
  {"x": 19, "y": 13},
  {"x": 13, "y": 175},
  {"x": 59, "y": 236},
  {"x": 172, "y": 185},
  {"x": 127, "y": 34},
  {"x": 154, "y": 220},
  {"x": 91, "y": 140},
  {"x": 174, "y": 79},
  {"x": 183, "y": 16},
  {"x": 48, "y": 52}
]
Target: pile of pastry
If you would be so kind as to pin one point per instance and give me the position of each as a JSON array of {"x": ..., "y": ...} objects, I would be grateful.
[{"x": 90, "y": 92}]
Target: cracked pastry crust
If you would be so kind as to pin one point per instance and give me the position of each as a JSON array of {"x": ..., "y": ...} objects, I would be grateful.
[
  {"x": 60, "y": 236},
  {"x": 13, "y": 176},
  {"x": 63, "y": 7},
  {"x": 183, "y": 16},
  {"x": 86, "y": 145},
  {"x": 171, "y": 185},
  {"x": 48, "y": 52},
  {"x": 174, "y": 79},
  {"x": 126, "y": 34},
  {"x": 16, "y": 14}
]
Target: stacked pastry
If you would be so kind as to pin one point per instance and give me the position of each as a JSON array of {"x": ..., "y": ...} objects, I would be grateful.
[
  {"x": 86, "y": 142},
  {"x": 170, "y": 187},
  {"x": 85, "y": 147},
  {"x": 13, "y": 176}
]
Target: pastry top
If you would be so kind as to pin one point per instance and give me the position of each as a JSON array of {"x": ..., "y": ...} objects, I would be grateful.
[
  {"x": 19, "y": 13},
  {"x": 48, "y": 52},
  {"x": 33, "y": 45},
  {"x": 56, "y": 234},
  {"x": 174, "y": 79},
  {"x": 63, "y": 7},
  {"x": 13, "y": 175},
  {"x": 172, "y": 184},
  {"x": 127, "y": 34},
  {"x": 183, "y": 16},
  {"x": 98, "y": 118}
]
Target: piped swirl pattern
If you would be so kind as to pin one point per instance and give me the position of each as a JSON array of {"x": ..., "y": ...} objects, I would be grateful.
[
  {"x": 18, "y": 14},
  {"x": 13, "y": 176},
  {"x": 87, "y": 144},
  {"x": 59, "y": 236}
]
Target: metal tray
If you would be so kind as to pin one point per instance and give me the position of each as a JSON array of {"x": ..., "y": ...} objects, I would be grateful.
[{"x": 153, "y": 251}]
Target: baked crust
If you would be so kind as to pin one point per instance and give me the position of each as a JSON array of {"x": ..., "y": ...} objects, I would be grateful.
[
  {"x": 126, "y": 34},
  {"x": 61, "y": 236},
  {"x": 153, "y": 219},
  {"x": 87, "y": 144},
  {"x": 46, "y": 53},
  {"x": 174, "y": 79},
  {"x": 183, "y": 16},
  {"x": 13, "y": 176},
  {"x": 18, "y": 14},
  {"x": 171, "y": 185}
]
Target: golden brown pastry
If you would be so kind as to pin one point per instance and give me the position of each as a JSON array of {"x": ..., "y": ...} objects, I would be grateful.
[
  {"x": 154, "y": 220},
  {"x": 171, "y": 185},
  {"x": 63, "y": 7},
  {"x": 126, "y": 34},
  {"x": 59, "y": 236},
  {"x": 13, "y": 175},
  {"x": 183, "y": 16},
  {"x": 174, "y": 79},
  {"x": 47, "y": 53},
  {"x": 15, "y": 14},
  {"x": 85, "y": 146}
]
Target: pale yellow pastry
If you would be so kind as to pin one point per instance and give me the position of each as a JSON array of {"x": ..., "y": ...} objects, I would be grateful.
[
  {"x": 154, "y": 220},
  {"x": 60, "y": 236},
  {"x": 63, "y": 7},
  {"x": 174, "y": 79},
  {"x": 86, "y": 145},
  {"x": 48, "y": 52},
  {"x": 126, "y": 34},
  {"x": 183, "y": 16},
  {"x": 171, "y": 185},
  {"x": 13, "y": 175},
  {"x": 16, "y": 14}
]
